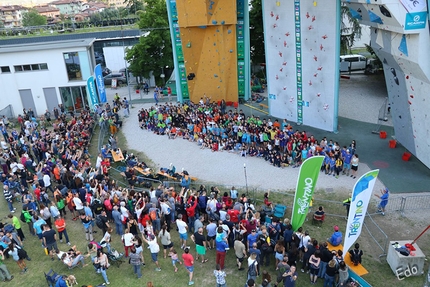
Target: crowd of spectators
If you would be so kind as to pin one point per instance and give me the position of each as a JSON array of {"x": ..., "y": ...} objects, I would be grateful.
[
  {"x": 46, "y": 167},
  {"x": 212, "y": 127}
]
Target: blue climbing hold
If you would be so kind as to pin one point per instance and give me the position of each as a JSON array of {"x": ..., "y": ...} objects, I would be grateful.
[
  {"x": 231, "y": 51},
  {"x": 403, "y": 47},
  {"x": 375, "y": 18},
  {"x": 222, "y": 22},
  {"x": 215, "y": 75},
  {"x": 214, "y": 22},
  {"x": 355, "y": 14},
  {"x": 228, "y": 31}
]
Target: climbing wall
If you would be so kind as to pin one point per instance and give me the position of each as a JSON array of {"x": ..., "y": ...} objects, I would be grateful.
[
  {"x": 400, "y": 37},
  {"x": 207, "y": 33},
  {"x": 302, "y": 61}
]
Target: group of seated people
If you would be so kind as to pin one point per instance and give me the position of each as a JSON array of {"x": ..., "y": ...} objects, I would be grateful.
[{"x": 233, "y": 131}]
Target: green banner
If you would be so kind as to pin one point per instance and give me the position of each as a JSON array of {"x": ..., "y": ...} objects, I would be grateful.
[{"x": 308, "y": 176}]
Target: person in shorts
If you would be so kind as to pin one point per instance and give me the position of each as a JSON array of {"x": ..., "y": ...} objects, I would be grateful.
[
  {"x": 189, "y": 264},
  {"x": 199, "y": 239},
  {"x": 50, "y": 240},
  {"x": 182, "y": 229},
  {"x": 154, "y": 248}
]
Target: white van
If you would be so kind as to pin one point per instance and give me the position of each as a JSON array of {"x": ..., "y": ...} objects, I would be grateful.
[{"x": 352, "y": 63}]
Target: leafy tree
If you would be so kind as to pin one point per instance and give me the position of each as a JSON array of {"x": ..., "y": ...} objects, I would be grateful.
[
  {"x": 256, "y": 32},
  {"x": 350, "y": 30},
  {"x": 135, "y": 5},
  {"x": 33, "y": 18},
  {"x": 154, "y": 50}
]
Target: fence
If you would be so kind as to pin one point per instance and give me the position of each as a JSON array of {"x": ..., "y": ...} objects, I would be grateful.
[
  {"x": 7, "y": 111},
  {"x": 377, "y": 234},
  {"x": 102, "y": 135}
]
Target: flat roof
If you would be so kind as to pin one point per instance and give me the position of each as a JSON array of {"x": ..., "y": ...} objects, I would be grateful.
[{"x": 47, "y": 45}]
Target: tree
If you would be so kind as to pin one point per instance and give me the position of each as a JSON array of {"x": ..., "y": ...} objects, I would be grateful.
[
  {"x": 33, "y": 18},
  {"x": 350, "y": 30},
  {"x": 256, "y": 32},
  {"x": 135, "y": 5},
  {"x": 154, "y": 50}
]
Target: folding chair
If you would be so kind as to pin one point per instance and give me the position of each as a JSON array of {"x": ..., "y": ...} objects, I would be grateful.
[{"x": 51, "y": 277}]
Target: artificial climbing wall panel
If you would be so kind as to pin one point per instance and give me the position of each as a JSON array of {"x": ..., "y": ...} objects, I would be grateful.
[
  {"x": 208, "y": 34},
  {"x": 302, "y": 61},
  {"x": 405, "y": 53}
]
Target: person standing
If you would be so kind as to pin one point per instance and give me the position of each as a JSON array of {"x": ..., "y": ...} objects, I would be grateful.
[
  {"x": 50, "y": 240},
  {"x": 314, "y": 262},
  {"x": 37, "y": 226},
  {"x": 240, "y": 251},
  {"x": 354, "y": 165},
  {"x": 330, "y": 273},
  {"x": 290, "y": 277},
  {"x": 136, "y": 262},
  {"x": 4, "y": 272},
  {"x": 154, "y": 248},
  {"x": 88, "y": 226},
  {"x": 199, "y": 239},
  {"x": 116, "y": 216},
  {"x": 347, "y": 204},
  {"x": 60, "y": 224},
  {"x": 102, "y": 261},
  {"x": 189, "y": 264},
  {"x": 13, "y": 251},
  {"x": 17, "y": 225},
  {"x": 220, "y": 276},
  {"x": 9, "y": 198},
  {"x": 385, "y": 193},
  {"x": 169, "y": 93},
  {"x": 127, "y": 239},
  {"x": 182, "y": 229},
  {"x": 221, "y": 249}
]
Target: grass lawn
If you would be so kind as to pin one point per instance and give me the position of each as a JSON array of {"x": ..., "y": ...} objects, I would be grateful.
[{"x": 379, "y": 271}]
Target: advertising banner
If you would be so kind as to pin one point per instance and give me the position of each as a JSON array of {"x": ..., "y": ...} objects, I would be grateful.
[
  {"x": 98, "y": 74},
  {"x": 92, "y": 93},
  {"x": 359, "y": 202},
  {"x": 308, "y": 176}
]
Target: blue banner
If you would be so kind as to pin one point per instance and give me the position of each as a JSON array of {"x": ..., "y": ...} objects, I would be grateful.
[
  {"x": 92, "y": 93},
  {"x": 415, "y": 20},
  {"x": 98, "y": 74}
]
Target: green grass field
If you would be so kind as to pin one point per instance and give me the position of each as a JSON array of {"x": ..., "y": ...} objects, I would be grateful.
[{"x": 379, "y": 271}]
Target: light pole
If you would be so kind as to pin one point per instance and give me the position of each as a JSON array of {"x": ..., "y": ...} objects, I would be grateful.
[{"x": 246, "y": 179}]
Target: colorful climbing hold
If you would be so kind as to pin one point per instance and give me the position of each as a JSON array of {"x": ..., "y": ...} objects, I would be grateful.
[{"x": 214, "y": 22}]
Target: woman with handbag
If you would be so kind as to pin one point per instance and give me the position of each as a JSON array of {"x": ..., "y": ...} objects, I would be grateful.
[{"x": 102, "y": 263}]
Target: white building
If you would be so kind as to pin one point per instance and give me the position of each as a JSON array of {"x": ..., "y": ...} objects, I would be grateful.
[{"x": 42, "y": 75}]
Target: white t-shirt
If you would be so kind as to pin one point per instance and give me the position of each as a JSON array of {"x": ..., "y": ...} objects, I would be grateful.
[
  {"x": 182, "y": 226},
  {"x": 78, "y": 203},
  {"x": 46, "y": 180},
  {"x": 128, "y": 239},
  {"x": 153, "y": 246},
  {"x": 305, "y": 240}
]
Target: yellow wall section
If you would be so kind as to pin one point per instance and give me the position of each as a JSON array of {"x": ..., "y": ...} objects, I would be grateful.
[{"x": 209, "y": 49}]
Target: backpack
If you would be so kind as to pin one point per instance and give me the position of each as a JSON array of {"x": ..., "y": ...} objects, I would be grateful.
[
  {"x": 251, "y": 269},
  {"x": 153, "y": 214},
  {"x": 22, "y": 254},
  {"x": 99, "y": 222},
  {"x": 22, "y": 217}
]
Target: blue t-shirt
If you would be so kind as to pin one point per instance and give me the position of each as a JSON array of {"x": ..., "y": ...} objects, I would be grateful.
[
  {"x": 38, "y": 225},
  {"x": 252, "y": 238}
]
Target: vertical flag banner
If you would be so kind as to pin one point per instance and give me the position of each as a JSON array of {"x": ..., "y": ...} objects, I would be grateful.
[
  {"x": 359, "y": 202},
  {"x": 308, "y": 176},
  {"x": 92, "y": 93},
  {"x": 98, "y": 74}
]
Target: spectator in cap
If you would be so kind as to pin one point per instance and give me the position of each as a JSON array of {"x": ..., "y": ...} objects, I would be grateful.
[{"x": 336, "y": 237}]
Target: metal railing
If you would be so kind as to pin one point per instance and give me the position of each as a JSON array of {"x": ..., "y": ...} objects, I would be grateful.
[
  {"x": 102, "y": 135},
  {"x": 377, "y": 234}
]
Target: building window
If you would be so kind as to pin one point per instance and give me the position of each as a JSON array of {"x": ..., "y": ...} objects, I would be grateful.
[
  {"x": 30, "y": 67},
  {"x": 74, "y": 98},
  {"x": 73, "y": 66},
  {"x": 5, "y": 69}
]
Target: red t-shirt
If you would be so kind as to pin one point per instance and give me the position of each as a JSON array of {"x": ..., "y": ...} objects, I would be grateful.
[
  {"x": 234, "y": 215},
  {"x": 188, "y": 259}
]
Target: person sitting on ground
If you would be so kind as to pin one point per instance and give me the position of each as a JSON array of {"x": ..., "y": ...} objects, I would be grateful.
[
  {"x": 320, "y": 212},
  {"x": 356, "y": 254},
  {"x": 336, "y": 237}
]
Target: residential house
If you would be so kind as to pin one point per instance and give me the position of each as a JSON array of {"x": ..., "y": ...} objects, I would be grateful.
[
  {"x": 50, "y": 12},
  {"x": 11, "y": 15},
  {"x": 116, "y": 3},
  {"x": 69, "y": 7}
]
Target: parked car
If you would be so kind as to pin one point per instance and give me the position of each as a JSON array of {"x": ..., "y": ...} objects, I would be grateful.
[
  {"x": 352, "y": 63},
  {"x": 119, "y": 79}
]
